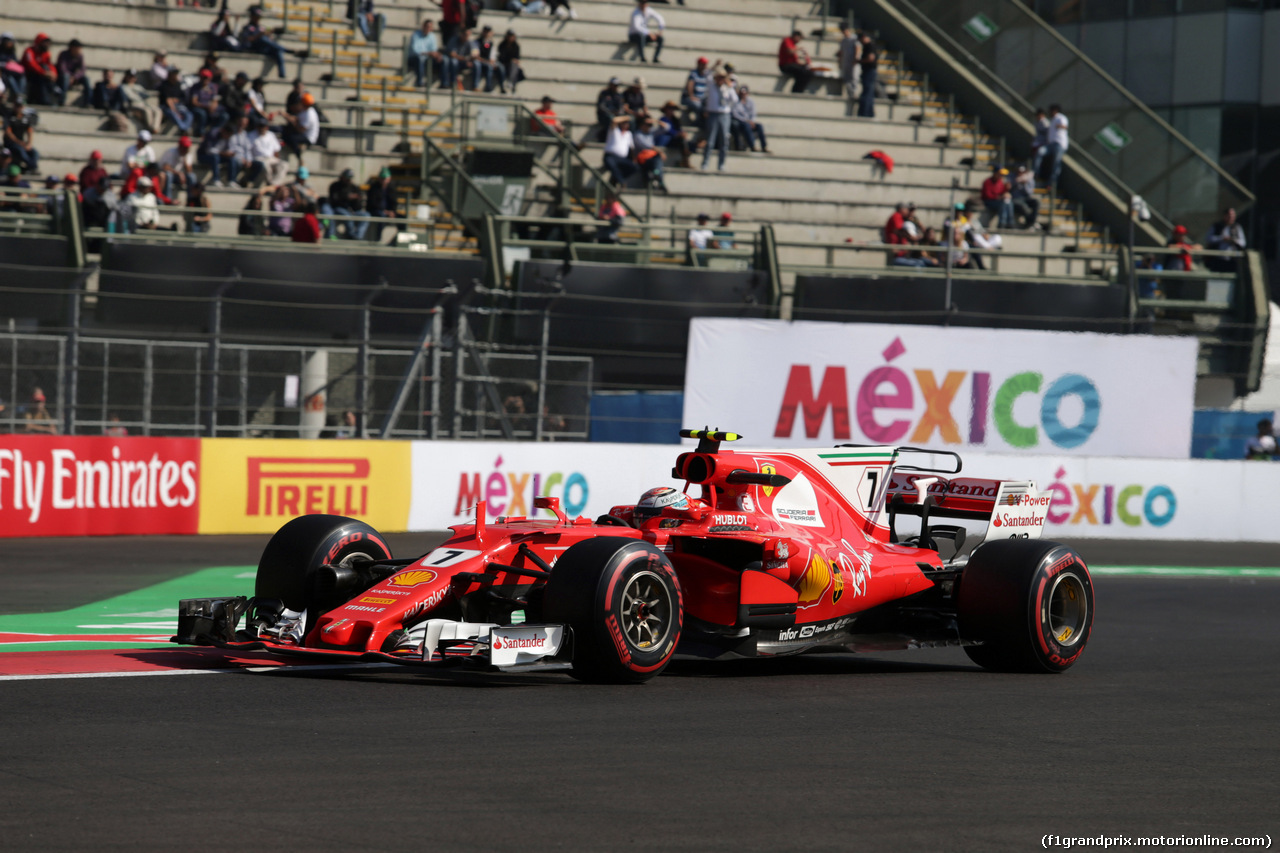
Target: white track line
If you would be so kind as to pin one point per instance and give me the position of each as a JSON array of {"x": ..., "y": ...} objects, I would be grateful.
[{"x": 239, "y": 670}]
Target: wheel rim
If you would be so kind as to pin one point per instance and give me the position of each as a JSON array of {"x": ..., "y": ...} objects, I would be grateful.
[
  {"x": 1068, "y": 610},
  {"x": 646, "y": 611}
]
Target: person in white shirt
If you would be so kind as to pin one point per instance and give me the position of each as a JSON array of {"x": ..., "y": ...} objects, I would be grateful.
[
  {"x": 159, "y": 69},
  {"x": 180, "y": 162},
  {"x": 302, "y": 125},
  {"x": 266, "y": 157},
  {"x": 640, "y": 33},
  {"x": 139, "y": 153},
  {"x": 144, "y": 209},
  {"x": 717, "y": 112},
  {"x": 1059, "y": 142},
  {"x": 618, "y": 145},
  {"x": 699, "y": 237}
]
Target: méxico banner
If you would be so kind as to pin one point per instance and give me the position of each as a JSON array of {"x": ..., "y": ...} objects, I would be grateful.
[
  {"x": 94, "y": 486},
  {"x": 804, "y": 383}
]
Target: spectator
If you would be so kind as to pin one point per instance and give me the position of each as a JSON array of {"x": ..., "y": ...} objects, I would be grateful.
[
  {"x": 960, "y": 257},
  {"x": 1225, "y": 235},
  {"x": 531, "y": 7},
  {"x": 252, "y": 223},
  {"x": 160, "y": 184},
  {"x": 1025, "y": 204},
  {"x": 451, "y": 18},
  {"x": 746, "y": 127},
  {"x": 307, "y": 228},
  {"x": 241, "y": 148},
  {"x": 1263, "y": 445},
  {"x": 114, "y": 428},
  {"x": 458, "y": 50},
  {"x": 302, "y": 191},
  {"x": 173, "y": 101},
  {"x": 1039, "y": 142},
  {"x": 633, "y": 103},
  {"x": 282, "y": 201},
  {"x": 139, "y": 153},
  {"x": 548, "y": 115},
  {"x": 671, "y": 135},
  {"x": 424, "y": 48},
  {"x": 12, "y": 73},
  {"x": 93, "y": 173},
  {"x": 20, "y": 138},
  {"x": 257, "y": 95},
  {"x": 302, "y": 125},
  {"x": 380, "y": 201},
  {"x": 222, "y": 32},
  {"x": 42, "y": 76},
  {"x": 695, "y": 87},
  {"x": 721, "y": 99},
  {"x": 37, "y": 416},
  {"x": 793, "y": 61},
  {"x": 266, "y": 164},
  {"x": 235, "y": 97},
  {"x": 650, "y": 160},
  {"x": 179, "y": 165},
  {"x": 698, "y": 238},
  {"x": 509, "y": 59},
  {"x": 345, "y": 199},
  {"x": 562, "y": 9},
  {"x": 894, "y": 231},
  {"x": 144, "y": 210},
  {"x": 217, "y": 155},
  {"x": 134, "y": 102},
  {"x": 253, "y": 38},
  {"x": 609, "y": 105},
  {"x": 1059, "y": 142},
  {"x": 159, "y": 69},
  {"x": 1182, "y": 261},
  {"x": 206, "y": 112},
  {"x": 997, "y": 198},
  {"x": 1149, "y": 288},
  {"x": 868, "y": 62},
  {"x": 71, "y": 72},
  {"x": 612, "y": 212},
  {"x": 370, "y": 21},
  {"x": 640, "y": 33},
  {"x": 15, "y": 182},
  {"x": 100, "y": 201},
  {"x": 106, "y": 93},
  {"x": 211, "y": 62},
  {"x": 928, "y": 239},
  {"x": 849, "y": 51},
  {"x": 199, "y": 215},
  {"x": 618, "y": 146},
  {"x": 485, "y": 63},
  {"x": 723, "y": 236}
]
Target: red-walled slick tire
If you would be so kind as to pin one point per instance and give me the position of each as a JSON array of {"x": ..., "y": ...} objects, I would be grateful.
[
  {"x": 622, "y": 600},
  {"x": 1029, "y": 602},
  {"x": 290, "y": 560}
]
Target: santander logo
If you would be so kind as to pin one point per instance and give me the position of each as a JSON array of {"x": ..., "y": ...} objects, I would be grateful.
[{"x": 497, "y": 642}]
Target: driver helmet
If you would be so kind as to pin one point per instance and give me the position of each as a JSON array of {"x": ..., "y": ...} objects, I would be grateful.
[{"x": 654, "y": 501}]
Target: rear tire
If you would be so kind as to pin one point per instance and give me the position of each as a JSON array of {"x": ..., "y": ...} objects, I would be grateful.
[
  {"x": 1029, "y": 602},
  {"x": 623, "y": 602},
  {"x": 290, "y": 560}
]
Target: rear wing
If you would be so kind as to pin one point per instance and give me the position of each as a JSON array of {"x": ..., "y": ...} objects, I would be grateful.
[{"x": 1012, "y": 508}]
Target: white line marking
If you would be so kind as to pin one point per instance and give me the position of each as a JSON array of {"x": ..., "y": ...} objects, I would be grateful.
[{"x": 253, "y": 669}]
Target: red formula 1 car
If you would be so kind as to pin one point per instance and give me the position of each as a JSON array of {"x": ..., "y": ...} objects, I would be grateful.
[{"x": 781, "y": 552}]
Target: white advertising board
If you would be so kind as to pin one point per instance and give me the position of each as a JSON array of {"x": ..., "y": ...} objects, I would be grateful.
[
  {"x": 451, "y": 477},
  {"x": 803, "y": 383},
  {"x": 1092, "y": 497}
]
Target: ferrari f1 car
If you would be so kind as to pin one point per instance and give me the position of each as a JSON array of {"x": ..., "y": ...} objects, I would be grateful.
[{"x": 780, "y": 552}]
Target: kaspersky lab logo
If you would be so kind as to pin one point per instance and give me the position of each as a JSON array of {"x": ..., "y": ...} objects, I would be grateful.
[
  {"x": 886, "y": 398},
  {"x": 302, "y": 485}
]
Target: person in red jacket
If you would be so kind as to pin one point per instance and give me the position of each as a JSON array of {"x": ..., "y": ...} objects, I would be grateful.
[
  {"x": 793, "y": 61},
  {"x": 997, "y": 198},
  {"x": 92, "y": 174},
  {"x": 451, "y": 18},
  {"x": 306, "y": 229},
  {"x": 42, "y": 75}
]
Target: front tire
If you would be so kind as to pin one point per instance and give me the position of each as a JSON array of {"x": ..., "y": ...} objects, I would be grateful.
[
  {"x": 291, "y": 559},
  {"x": 623, "y": 602},
  {"x": 1029, "y": 602}
]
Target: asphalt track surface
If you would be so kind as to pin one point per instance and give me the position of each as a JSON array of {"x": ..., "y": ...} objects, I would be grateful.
[{"x": 1167, "y": 726}]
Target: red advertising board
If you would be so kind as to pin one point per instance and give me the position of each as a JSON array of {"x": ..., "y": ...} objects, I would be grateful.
[{"x": 56, "y": 486}]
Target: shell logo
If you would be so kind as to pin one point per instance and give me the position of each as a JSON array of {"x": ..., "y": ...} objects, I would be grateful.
[
  {"x": 815, "y": 580},
  {"x": 413, "y": 578}
]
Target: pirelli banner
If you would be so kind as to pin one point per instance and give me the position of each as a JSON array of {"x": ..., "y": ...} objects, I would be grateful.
[{"x": 255, "y": 485}]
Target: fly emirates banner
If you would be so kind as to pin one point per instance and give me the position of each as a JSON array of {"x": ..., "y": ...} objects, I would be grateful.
[{"x": 805, "y": 383}]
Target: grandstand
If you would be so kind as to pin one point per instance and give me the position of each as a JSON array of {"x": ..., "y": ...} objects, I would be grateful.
[{"x": 812, "y": 210}]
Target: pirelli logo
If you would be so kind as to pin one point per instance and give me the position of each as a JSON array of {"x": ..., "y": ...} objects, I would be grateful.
[{"x": 299, "y": 485}]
